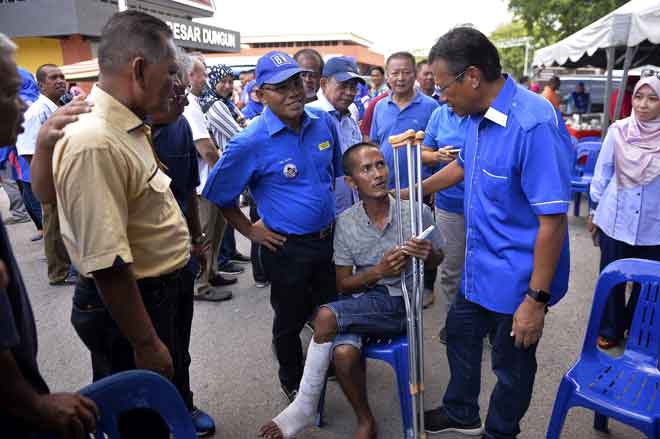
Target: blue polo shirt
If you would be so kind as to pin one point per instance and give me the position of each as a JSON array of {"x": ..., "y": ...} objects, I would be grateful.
[
  {"x": 447, "y": 128},
  {"x": 175, "y": 147},
  {"x": 389, "y": 120},
  {"x": 291, "y": 175},
  {"x": 515, "y": 169}
]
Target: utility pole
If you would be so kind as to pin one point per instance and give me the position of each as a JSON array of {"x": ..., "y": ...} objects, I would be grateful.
[{"x": 122, "y": 5}]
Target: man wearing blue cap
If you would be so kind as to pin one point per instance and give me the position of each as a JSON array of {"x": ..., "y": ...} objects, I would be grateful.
[
  {"x": 289, "y": 158},
  {"x": 339, "y": 84}
]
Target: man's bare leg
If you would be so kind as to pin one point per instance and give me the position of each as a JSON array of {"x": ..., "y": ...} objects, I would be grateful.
[
  {"x": 301, "y": 412},
  {"x": 352, "y": 377}
]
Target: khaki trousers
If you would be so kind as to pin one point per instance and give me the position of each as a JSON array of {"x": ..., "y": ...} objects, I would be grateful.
[
  {"x": 57, "y": 257},
  {"x": 213, "y": 225}
]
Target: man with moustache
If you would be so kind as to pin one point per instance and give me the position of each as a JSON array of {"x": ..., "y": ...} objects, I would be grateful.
[{"x": 289, "y": 158}]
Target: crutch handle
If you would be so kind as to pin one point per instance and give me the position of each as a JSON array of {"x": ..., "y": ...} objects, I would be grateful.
[
  {"x": 399, "y": 140},
  {"x": 419, "y": 138}
]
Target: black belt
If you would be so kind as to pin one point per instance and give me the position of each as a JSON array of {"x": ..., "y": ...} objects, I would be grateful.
[
  {"x": 144, "y": 283},
  {"x": 320, "y": 235}
]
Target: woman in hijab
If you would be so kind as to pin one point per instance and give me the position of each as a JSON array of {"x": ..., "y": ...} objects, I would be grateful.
[
  {"x": 221, "y": 82},
  {"x": 626, "y": 188},
  {"x": 254, "y": 106}
]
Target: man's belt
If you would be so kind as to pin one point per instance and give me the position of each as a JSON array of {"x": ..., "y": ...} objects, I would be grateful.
[{"x": 320, "y": 235}]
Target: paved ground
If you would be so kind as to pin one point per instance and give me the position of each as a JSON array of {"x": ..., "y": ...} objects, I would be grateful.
[{"x": 233, "y": 373}]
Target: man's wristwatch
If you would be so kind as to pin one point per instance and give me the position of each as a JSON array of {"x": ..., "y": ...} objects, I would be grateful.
[
  {"x": 539, "y": 295},
  {"x": 200, "y": 239}
]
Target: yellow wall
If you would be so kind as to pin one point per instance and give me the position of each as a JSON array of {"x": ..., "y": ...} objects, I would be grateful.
[{"x": 33, "y": 52}]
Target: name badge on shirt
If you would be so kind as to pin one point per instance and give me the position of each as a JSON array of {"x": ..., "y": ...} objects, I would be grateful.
[
  {"x": 290, "y": 170},
  {"x": 324, "y": 145}
]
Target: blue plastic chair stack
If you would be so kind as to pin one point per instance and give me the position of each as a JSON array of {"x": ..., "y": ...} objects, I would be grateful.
[
  {"x": 395, "y": 353},
  {"x": 626, "y": 388},
  {"x": 138, "y": 389},
  {"x": 584, "y": 163}
]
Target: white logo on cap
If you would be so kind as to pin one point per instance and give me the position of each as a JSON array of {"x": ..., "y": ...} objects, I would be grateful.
[{"x": 279, "y": 60}]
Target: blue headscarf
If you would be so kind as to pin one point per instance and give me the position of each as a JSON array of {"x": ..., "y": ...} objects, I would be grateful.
[
  {"x": 253, "y": 108},
  {"x": 29, "y": 90}
]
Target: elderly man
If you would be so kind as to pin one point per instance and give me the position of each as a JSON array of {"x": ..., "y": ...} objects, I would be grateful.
[
  {"x": 369, "y": 263},
  {"x": 52, "y": 85},
  {"x": 517, "y": 190},
  {"x": 132, "y": 253},
  {"x": 26, "y": 406},
  {"x": 289, "y": 158},
  {"x": 338, "y": 89},
  {"x": 405, "y": 108},
  {"x": 312, "y": 63}
]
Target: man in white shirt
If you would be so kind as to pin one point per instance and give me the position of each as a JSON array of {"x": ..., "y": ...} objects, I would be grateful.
[
  {"x": 52, "y": 86},
  {"x": 213, "y": 223},
  {"x": 339, "y": 83}
]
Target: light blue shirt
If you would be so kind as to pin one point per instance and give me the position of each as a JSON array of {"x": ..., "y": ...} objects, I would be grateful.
[
  {"x": 515, "y": 170},
  {"x": 389, "y": 120},
  {"x": 630, "y": 215},
  {"x": 349, "y": 135},
  {"x": 290, "y": 174},
  {"x": 26, "y": 144},
  {"x": 446, "y": 128}
]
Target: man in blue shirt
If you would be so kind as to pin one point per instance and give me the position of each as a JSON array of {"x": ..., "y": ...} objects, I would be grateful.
[
  {"x": 405, "y": 108},
  {"x": 445, "y": 134},
  {"x": 517, "y": 186},
  {"x": 338, "y": 89},
  {"x": 289, "y": 158}
]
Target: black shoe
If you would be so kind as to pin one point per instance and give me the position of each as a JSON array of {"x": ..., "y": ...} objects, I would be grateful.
[
  {"x": 240, "y": 258},
  {"x": 221, "y": 281},
  {"x": 289, "y": 393},
  {"x": 230, "y": 268},
  {"x": 437, "y": 421},
  {"x": 443, "y": 336}
]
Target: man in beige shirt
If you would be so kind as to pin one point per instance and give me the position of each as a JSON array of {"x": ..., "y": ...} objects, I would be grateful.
[{"x": 119, "y": 219}]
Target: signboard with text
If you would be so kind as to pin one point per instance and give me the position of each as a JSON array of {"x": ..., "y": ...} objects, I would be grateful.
[{"x": 203, "y": 37}]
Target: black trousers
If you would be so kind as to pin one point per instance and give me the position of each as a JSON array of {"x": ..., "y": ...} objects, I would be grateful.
[
  {"x": 618, "y": 314},
  {"x": 168, "y": 300},
  {"x": 255, "y": 249},
  {"x": 302, "y": 276}
]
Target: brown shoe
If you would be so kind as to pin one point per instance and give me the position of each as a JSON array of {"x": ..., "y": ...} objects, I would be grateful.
[{"x": 606, "y": 343}]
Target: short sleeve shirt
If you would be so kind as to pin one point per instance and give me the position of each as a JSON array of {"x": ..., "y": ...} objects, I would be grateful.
[
  {"x": 113, "y": 200},
  {"x": 35, "y": 116},
  {"x": 516, "y": 169},
  {"x": 389, "y": 120},
  {"x": 290, "y": 174},
  {"x": 176, "y": 150},
  {"x": 200, "y": 130},
  {"x": 360, "y": 244}
]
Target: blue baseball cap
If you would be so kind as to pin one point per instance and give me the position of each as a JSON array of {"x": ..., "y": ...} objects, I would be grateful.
[
  {"x": 342, "y": 68},
  {"x": 275, "y": 67}
]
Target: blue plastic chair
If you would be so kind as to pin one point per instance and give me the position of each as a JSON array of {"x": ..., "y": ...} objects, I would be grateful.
[
  {"x": 626, "y": 388},
  {"x": 589, "y": 139},
  {"x": 584, "y": 163},
  {"x": 137, "y": 389},
  {"x": 395, "y": 353}
]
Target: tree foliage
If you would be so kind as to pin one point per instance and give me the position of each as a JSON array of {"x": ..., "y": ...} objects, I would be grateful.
[
  {"x": 512, "y": 58},
  {"x": 549, "y": 21}
]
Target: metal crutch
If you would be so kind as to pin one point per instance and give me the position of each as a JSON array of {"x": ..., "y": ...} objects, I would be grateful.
[{"x": 412, "y": 299}]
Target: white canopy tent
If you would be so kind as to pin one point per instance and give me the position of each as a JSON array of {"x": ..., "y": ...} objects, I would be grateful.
[{"x": 628, "y": 35}]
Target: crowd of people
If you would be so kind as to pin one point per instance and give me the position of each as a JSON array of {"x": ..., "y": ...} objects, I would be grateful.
[{"x": 137, "y": 191}]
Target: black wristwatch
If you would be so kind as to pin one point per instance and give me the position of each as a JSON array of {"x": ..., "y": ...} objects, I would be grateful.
[{"x": 539, "y": 295}]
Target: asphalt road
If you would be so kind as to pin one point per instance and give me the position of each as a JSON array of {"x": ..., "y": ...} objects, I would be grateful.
[{"x": 233, "y": 373}]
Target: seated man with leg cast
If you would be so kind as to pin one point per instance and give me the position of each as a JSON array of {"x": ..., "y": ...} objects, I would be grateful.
[{"x": 369, "y": 261}]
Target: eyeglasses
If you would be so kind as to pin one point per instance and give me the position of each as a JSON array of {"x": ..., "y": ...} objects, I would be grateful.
[
  {"x": 650, "y": 72},
  {"x": 290, "y": 85},
  {"x": 443, "y": 89}
]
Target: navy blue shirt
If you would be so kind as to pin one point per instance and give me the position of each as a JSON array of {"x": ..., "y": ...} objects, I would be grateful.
[
  {"x": 291, "y": 175},
  {"x": 446, "y": 128},
  {"x": 17, "y": 332},
  {"x": 389, "y": 120},
  {"x": 515, "y": 170},
  {"x": 175, "y": 147}
]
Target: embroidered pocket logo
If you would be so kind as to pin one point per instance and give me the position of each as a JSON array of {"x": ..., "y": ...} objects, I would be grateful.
[{"x": 324, "y": 145}]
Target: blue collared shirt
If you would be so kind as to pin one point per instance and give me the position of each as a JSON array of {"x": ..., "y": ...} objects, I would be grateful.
[
  {"x": 389, "y": 120},
  {"x": 446, "y": 128},
  {"x": 291, "y": 175},
  {"x": 515, "y": 170},
  {"x": 631, "y": 215},
  {"x": 349, "y": 134}
]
